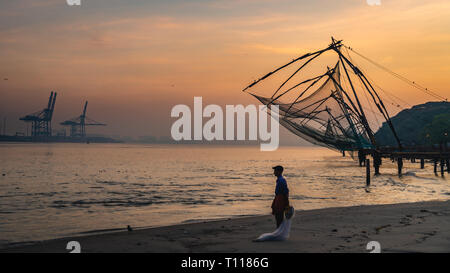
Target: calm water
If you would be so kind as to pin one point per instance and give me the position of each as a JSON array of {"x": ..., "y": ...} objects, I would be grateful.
[{"x": 54, "y": 190}]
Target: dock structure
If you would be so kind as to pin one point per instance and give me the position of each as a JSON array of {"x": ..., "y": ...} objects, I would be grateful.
[
  {"x": 41, "y": 127},
  {"x": 438, "y": 157}
]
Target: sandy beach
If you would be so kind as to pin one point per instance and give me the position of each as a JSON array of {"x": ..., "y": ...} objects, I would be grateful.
[{"x": 414, "y": 227}]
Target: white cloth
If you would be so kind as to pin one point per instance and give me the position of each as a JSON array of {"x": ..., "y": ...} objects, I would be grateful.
[{"x": 281, "y": 233}]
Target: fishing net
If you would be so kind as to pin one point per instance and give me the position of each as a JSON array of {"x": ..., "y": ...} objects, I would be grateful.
[
  {"x": 322, "y": 117},
  {"x": 339, "y": 109},
  {"x": 282, "y": 232}
]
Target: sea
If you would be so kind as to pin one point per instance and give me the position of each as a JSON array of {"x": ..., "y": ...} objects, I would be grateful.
[{"x": 55, "y": 190}]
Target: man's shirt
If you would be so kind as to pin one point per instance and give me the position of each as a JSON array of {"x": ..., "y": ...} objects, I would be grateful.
[{"x": 281, "y": 187}]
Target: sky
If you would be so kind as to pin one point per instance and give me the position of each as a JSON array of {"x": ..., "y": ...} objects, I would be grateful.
[{"x": 134, "y": 60}]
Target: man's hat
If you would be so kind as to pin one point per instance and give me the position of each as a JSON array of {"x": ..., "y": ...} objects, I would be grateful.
[{"x": 278, "y": 168}]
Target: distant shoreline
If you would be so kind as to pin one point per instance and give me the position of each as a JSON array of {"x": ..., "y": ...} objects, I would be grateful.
[
  {"x": 56, "y": 139},
  {"x": 191, "y": 143},
  {"x": 406, "y": 227}
]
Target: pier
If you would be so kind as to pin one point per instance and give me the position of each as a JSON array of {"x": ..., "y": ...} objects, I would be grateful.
[{"x": 439, "y": 157}]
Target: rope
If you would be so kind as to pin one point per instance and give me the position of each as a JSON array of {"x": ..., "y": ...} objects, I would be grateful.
[
  {"x": 388, "y": 94},
  {"x": 362, "y": 88},
  {"x": 412, "y": 83}
]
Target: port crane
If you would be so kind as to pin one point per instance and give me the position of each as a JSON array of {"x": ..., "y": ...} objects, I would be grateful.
[
  {"x": 78, "y": 124},
  {"x": 41, "y": 121}
]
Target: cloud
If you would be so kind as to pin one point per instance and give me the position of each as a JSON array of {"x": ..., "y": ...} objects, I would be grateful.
[{"x": 207, "y": 47}]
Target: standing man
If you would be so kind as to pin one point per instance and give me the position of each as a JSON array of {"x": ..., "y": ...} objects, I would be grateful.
[{"x": 281, "y": 200}]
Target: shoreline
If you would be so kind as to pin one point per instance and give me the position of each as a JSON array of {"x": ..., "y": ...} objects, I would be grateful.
[{"x": 406, "y": 227}]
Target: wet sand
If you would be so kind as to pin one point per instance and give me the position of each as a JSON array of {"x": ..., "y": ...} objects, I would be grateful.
[{"x": 414, "y": 227}]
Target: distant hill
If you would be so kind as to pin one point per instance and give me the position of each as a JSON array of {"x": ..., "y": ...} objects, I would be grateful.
[{"x": 423, "y": 124}]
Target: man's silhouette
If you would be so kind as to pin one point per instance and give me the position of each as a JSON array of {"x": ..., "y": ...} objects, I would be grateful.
[{"x": 281, "y": 200}]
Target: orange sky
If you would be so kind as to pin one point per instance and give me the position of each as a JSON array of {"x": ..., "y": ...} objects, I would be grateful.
[{"x": 133, "y": 60}]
